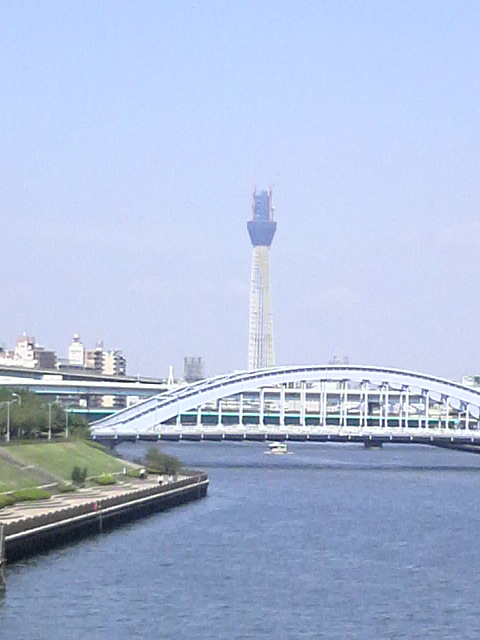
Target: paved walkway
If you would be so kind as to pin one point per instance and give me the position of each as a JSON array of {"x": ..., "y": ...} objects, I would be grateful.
[{"x": 89, "y": 495}]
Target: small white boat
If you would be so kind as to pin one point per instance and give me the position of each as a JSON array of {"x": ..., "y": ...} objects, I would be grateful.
[{"x": 278, "y": 447}]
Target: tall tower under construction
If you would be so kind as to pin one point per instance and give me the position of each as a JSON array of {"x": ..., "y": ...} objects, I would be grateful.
[{"x": 261, "y": 230}]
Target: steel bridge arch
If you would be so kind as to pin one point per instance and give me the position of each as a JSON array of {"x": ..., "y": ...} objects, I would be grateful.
[{"x": 149, "y": 415}]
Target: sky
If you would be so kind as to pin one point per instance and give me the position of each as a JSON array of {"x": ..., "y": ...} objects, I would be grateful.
[{"x": 132, "y": 135}]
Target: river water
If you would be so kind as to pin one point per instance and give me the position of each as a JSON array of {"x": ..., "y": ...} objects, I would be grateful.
[{"x": 333, "y": 542}]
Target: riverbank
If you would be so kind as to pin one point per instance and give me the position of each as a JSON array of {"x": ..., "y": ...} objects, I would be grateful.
[
  {"x": 42, "y": 505},
  {"x": 31, "y": 528},
  {"x": 32, "y": 464}
]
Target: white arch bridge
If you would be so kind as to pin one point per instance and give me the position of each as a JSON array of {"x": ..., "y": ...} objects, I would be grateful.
[{"x": 320, "y": 403}]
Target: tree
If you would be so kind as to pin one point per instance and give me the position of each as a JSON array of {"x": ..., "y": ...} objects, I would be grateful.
[
  {"x": 160, "y": 462},
  {"x": 29, "y": 418},
  {"x": 79, "y": 475}
]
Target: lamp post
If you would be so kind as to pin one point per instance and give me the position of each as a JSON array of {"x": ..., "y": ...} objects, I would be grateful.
[
  {"x": 9, "y": 403},
  {"x": 50, "y": 405},
  {"x": 67, "y": 406},
  {"x": 66, "y": 423}
]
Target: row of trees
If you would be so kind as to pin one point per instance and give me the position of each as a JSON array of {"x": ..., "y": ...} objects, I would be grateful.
[{"x": 31, "y": 417}]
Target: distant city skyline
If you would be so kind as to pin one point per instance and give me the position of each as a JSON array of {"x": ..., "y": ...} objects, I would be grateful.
[
  {"x": 134, "y": 135},
  {"x": 28, "y": 353}
]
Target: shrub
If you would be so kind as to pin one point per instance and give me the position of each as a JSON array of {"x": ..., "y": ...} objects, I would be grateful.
[
  {"x": 79, "y": 475},
  {"x": 79, "y": 428},
  {"x": 6, "y": 501},
  {"x": 133, "y": 473},
  {"x": 105, "y": 479},
  {"x": 23, "y": 495},
  {"x": 76, "y": 475},
  {"x": 31, "y": 494},
  {"x": 65, "y": 488},
  {"x": 160, "y": 462}
]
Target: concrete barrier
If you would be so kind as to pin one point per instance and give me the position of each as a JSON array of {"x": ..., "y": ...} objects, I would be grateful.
[{"x": 36, "y": 533}]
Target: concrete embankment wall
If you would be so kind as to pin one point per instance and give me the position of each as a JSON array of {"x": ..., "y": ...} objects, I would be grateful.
[{"x": 40, "y": 532}]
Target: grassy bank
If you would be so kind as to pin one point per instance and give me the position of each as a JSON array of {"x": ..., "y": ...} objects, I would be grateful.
[
  {"x": 60, "y": 458},
  {"x": 13, "y": 478},
  {"x": 41, "y": 459}
]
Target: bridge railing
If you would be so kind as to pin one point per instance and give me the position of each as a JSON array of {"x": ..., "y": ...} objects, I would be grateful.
[{"x": 153, "y": 413}]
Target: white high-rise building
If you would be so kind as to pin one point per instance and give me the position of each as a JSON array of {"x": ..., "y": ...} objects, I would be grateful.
[
  {"x": 24, "y": 353},
  {"x": 260, "y": 335},
  {"x": 76, "y": 352},
  {"x": 114, "y": 363}
]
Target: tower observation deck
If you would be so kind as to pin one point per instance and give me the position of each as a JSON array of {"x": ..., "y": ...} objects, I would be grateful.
[{"x": 261, "y": 230}]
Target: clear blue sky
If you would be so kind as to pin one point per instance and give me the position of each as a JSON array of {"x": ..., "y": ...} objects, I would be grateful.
[{"x": 132, "y": 136}]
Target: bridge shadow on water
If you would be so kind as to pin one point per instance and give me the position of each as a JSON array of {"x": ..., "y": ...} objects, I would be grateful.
[{"x": 341, "y": 466}]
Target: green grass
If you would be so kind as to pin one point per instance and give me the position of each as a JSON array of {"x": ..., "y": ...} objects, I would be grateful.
[
  {"x": 23, "y": 495},
  {"x": 6, "y": 501},
  {"x": 12, "y": 478},
  {"x": 61, "y": 457},
  {"x": 31, "y": 494},
  {"x": 105, "y": 480},
  {"x": 96, "y": 445}
]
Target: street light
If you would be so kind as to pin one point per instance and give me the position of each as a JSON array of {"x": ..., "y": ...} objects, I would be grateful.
[
  {"x": 50, "y": 405},
  {"x": 66, "y": 422},
  {"x": 67, "y": 407},
  {"x": 9, "y": 403}
]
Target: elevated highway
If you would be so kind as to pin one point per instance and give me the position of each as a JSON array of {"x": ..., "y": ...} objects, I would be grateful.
[
  {"x": 84, "y": 392},
  {"x": 62, "y": 383},
  {"x": 59, "y": 387}
]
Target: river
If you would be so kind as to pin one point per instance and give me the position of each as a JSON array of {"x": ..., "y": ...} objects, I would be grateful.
[{"x": 330, "y": 541}]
